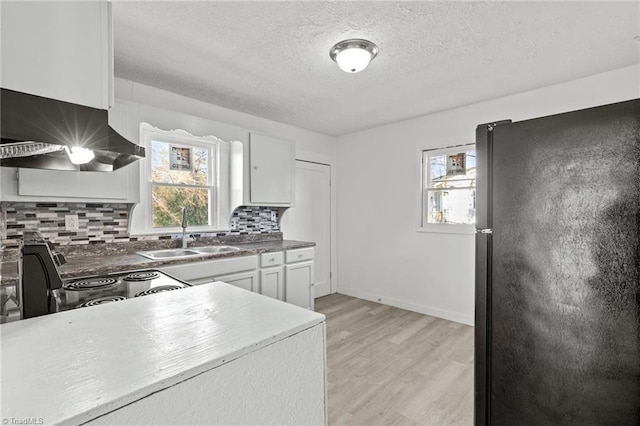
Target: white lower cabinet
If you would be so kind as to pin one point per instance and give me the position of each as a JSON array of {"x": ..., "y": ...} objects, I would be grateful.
[
  {"x": 272, "y": 282},
  {"x": 299, "y": 283},
  {"x": 272, "y": 275},
  {"x": 286, "y": 276},
  {"x": 246, "y": 280},
  {"x": 299, "y": 277}
]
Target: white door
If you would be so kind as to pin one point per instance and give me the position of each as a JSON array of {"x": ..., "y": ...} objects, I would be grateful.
[{"x": 310, "y": 218}]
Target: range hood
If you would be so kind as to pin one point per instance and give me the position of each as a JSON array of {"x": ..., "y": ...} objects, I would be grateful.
[{"x": 44, "y": 133}]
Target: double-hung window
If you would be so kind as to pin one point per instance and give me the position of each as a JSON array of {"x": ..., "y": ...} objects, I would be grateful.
[
  {"x": 181, "y": 171},
  {"x": 449, "y": 188}
]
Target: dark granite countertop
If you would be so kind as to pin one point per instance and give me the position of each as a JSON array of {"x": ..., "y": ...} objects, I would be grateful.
[{"x": 91, "y": 260}]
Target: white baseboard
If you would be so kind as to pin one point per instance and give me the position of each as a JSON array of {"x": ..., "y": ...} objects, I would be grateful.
[
  {"x": 321, "y": 288},
  {"x": 427, "y": 310}
]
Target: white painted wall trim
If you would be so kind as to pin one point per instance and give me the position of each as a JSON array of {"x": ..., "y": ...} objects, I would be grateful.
[{"x": 409, "y": 306}]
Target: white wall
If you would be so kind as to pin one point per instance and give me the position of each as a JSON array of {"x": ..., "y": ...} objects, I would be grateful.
[
  {"x": 135, "y": 103},
  {"x": 173, "y": 111},
  {"x": 381, "y": 256}
]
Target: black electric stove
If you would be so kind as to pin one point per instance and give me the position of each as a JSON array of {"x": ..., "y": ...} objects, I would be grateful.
[
  {"x": 99, "y": 289},
  {"x": 42, "y": 291}
]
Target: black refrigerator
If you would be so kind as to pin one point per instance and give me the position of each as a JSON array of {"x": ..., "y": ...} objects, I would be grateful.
[{"x": 557, "y": 331}]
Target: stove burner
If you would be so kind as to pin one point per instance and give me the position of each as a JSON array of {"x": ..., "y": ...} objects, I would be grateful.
[
  {"x": 142, "y": 276},
  {"x": 90, "y": 284},
  {"x": 102, "y": 300},
  {"x": 159, "y": 289}
]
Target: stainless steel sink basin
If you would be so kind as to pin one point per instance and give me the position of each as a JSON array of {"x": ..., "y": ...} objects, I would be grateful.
[
  {"x": 215, "y": 249},
  {"x": 168, "y": 254},
  {"x": 179, "y": 252}
]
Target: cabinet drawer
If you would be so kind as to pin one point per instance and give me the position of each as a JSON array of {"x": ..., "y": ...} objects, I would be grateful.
[
  {"x": 299, "y": 255},
  {"x": 271, "y": 259}
]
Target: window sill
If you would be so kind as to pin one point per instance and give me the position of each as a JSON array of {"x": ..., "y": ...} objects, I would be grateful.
[{"x": 443, "y": 228}]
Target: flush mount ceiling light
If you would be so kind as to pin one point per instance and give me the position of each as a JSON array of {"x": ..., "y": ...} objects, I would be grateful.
[{"x": 353, "y": 55}]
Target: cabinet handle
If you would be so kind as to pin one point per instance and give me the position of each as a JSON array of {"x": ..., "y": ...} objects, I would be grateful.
[{"x": 272, "y": 260}]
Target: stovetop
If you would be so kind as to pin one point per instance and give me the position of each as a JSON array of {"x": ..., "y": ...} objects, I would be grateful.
[{"x": 96, "y": 290}]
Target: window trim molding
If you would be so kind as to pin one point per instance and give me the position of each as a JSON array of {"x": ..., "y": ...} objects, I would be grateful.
[
  {"x": 218, "y": 193},
  {"x": 438, "y": 228}
]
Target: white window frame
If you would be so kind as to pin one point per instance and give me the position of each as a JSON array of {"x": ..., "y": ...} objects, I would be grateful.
[
  {"x": 442, "y": 228},
  {"x": 148, "y": 133}
]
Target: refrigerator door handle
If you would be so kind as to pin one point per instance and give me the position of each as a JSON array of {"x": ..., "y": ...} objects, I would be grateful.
[{"x": 484, "y": 231}]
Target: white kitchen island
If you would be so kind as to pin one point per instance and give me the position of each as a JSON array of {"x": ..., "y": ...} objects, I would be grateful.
[{"x": 210, "y": 354}]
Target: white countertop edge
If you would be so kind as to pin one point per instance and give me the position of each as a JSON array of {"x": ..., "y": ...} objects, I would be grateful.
[{"x": 297, "y": 319}]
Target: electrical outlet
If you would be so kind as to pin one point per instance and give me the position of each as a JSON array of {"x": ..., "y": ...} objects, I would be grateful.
[{"x": 71, "y": 222}]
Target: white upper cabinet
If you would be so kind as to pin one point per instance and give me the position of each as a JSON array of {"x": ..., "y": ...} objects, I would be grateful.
[
  {"x": 271, "y": 170},
  {"x": 59, "y": 50}
]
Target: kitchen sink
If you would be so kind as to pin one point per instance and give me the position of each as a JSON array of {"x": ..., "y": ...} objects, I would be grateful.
[
  {"x": 216, "y": 249},
  {"x": 195, "y": 251},
  {"x": 168, "y": 254}
]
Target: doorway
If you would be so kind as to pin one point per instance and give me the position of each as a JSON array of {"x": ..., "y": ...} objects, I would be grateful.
[{"x": 310, "y": 218}]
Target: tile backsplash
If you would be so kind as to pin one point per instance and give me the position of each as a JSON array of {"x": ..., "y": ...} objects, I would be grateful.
[
  {"x": 254, "y": 220},
  {"x": 108, "y": 222}
]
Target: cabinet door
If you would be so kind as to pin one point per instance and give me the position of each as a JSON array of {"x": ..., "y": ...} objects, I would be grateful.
[
  {"x": 298, "y": 283},
  {"x": 272, "y": 170},
  {"x": 59, "y": 50},
  {"x": 272, "y": 282},
  {"x": 246, "y": 280}
]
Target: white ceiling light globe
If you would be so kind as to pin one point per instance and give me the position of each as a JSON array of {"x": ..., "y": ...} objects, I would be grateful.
[
  {"x": 353, "y": 55},
  {"x": 353, "y": 59}
]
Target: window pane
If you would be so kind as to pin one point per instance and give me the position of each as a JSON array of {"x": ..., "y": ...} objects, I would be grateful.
[
  {"x": 167, "y": 202},
  {"x": 438, "y": 167},
  {"x": 453, "y": 170},
  {"x": 171, "y": 163},
  {"x": 471, "y": 159},
  {"x": 455, "y": 206}
]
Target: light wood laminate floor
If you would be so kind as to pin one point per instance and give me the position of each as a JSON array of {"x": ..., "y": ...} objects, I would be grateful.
[{"x": 388, "y": 366}]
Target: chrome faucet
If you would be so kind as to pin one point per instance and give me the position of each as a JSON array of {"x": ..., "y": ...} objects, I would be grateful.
[{"x": 184, "y": 227}]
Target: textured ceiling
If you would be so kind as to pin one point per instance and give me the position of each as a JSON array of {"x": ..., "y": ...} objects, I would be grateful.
[{"x": 271, "y": 59}]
